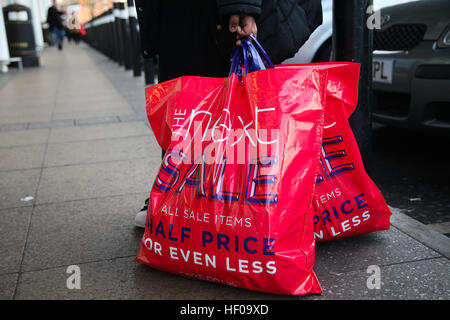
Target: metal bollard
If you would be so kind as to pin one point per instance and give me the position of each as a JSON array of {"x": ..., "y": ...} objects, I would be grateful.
[
  {"x": 101, "y": 30},
  {"x": 118, "y": 32},
  {"x": 353, "y": 41},
  {"x": 126, "y": 44},
  {"x": 110, "y": 34},
  {"x": 134, "y": 37}
]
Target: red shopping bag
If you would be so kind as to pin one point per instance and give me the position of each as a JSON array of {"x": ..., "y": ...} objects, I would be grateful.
[
  {"x": 346, "y": 201},
  {"x": 232, "y": 201}
]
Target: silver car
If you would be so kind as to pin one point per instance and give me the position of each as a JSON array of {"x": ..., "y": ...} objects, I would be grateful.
[
  {"x": 411, "y": 64},
  {"x": 411, "y": 68}
]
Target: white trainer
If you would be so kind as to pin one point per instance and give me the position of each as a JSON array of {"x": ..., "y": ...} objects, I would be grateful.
[{"x": 141, "y": 216}]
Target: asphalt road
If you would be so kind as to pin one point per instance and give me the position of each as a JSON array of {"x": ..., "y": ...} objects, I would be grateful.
[{"x": 412, "y": 171}]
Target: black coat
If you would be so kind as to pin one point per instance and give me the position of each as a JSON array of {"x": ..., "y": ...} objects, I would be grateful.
[
  {"x": 54, "y": 18},
  {"x": 192, "y": 37}
]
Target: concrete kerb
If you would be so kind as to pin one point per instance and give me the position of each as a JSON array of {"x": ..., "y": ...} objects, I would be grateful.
[{"x": 420, "y": 232}]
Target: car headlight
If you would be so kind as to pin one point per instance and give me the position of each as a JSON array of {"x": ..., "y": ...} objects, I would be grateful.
[{"x": 444, "y": 39}]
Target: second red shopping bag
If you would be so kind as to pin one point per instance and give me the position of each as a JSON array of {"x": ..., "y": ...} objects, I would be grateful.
[{"x": 346, "y": 201}]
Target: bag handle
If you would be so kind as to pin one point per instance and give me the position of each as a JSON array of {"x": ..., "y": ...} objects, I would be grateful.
[
  {"x": 254, "y": 58},
  {"x": 262, "y": 53},
  {"x": 236, "y": 62}
]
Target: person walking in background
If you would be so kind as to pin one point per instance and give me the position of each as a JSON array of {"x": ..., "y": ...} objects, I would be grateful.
[
  {"x": 55, "y": 24},
  {"x": 196, "y": 37},
  {"x": 73, "y": 30}
]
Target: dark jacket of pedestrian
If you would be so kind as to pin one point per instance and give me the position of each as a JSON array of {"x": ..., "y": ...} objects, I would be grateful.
[
  {"x": 197, "y": 31},
  {"x": 54, "y": 19}
]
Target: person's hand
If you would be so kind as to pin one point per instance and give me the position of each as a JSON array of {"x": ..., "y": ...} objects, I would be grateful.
[{"x": 243, "y": 25}]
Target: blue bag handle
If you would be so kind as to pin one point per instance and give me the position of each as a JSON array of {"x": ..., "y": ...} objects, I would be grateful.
[
  {"x": 236, "y": 62},
  {"x": 263, "y": 54},
  {"x": 254, "y": 58},
  {"x": 238, "y": 56}
]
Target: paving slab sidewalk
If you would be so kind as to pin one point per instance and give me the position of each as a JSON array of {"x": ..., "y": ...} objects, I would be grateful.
[{"x": 76, "y": 162}]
